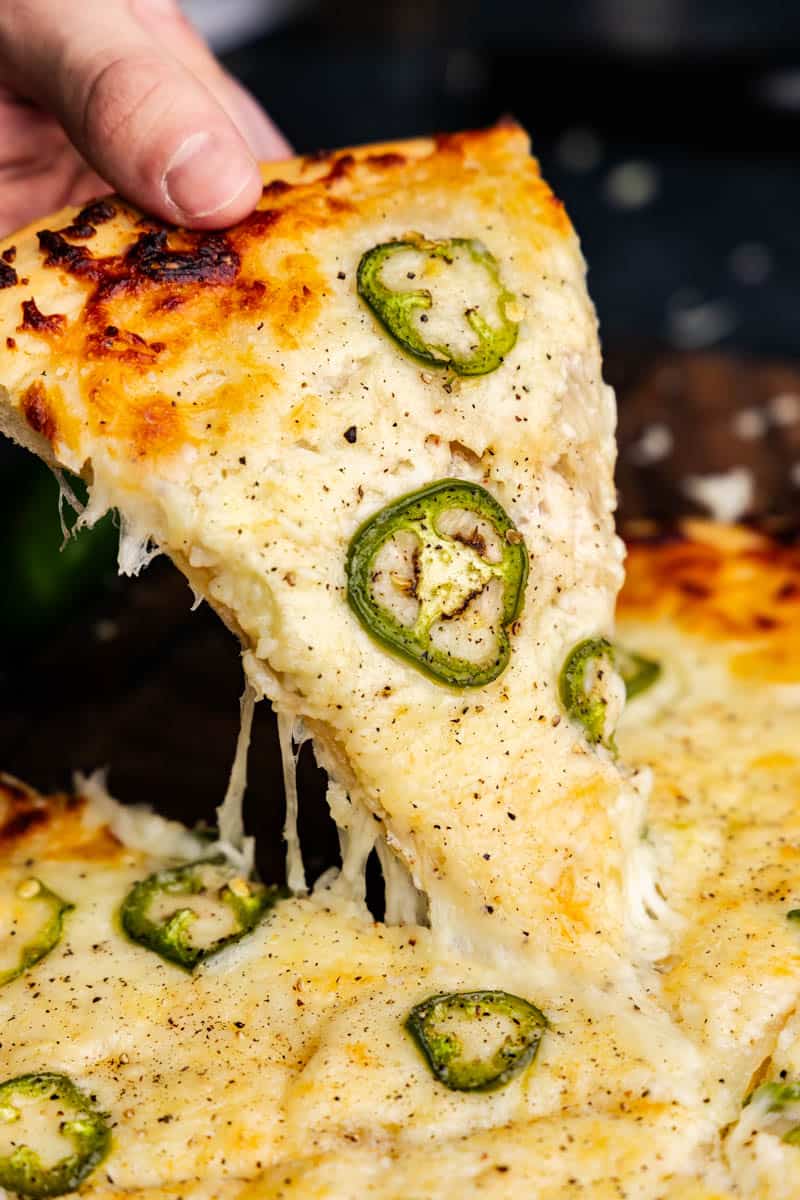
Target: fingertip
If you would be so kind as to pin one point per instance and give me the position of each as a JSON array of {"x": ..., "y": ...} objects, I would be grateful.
[
  {"x": 265, "y": 140},
  {"x": 211, "y": 180}
]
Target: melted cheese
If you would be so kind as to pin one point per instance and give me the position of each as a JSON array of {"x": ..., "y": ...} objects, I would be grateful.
[
  {"x": 228, "y": 452},
  {"x": 295, "y": 871},
  {"x": 648, "y": 927},
  {"x": 291, "y": 1042},
  {"x": 230, "y": 820},
  {"x": 281, "y": 1067}
]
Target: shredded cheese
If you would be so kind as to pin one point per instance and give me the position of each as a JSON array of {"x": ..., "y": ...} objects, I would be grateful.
[
  {"x": 356, "y": 828},
  {"x": 295, "y": 871},
  {"x": 230, "y": 819},
  {"x": 405, "y": 904}
]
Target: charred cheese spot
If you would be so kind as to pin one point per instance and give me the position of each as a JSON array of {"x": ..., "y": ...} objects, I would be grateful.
[
  {"x": 276, "y": 187},
  {"x": 21, "y": 823},
  {"x": 341, "y": 167},
  {"x": 167, "y": 304},
  {"x": 250, "y": 294},
  {"x": 120, "y": 344},
  {"x": 721, "y": 584},
  {"x": 35, "y": 321},
  {"x": 74, "y": 260},
  {"x": 257, "y": 225},
  {"x": 8, "y": 276},
  {"x": 85, "y": 223},
  {"x": 196, "y": 259},
  {"x": 384, "y": 161},
  {"x": 188, "y": 259},
  {"x": 38, "y": 413}
]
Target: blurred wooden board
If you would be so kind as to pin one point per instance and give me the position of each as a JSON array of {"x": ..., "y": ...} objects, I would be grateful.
[
  {"x": 150, "y": 689},
  {"x": 720, "y": 413}
]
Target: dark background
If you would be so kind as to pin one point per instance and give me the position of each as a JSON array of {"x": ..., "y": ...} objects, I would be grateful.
[{"x": 670, "y": 128}]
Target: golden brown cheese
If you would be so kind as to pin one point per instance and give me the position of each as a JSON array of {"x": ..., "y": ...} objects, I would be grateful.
[
  {"x": 722, "y": 743},
  {"x": 134, "y": 294},
  {"x": 724, "y": 583}
]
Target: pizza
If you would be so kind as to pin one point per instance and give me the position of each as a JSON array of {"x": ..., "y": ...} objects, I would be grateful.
[
  {"x": 263, "y": 405},
  {"x": 281, "y": 1064},
  {"x": 369, "y": 425}
]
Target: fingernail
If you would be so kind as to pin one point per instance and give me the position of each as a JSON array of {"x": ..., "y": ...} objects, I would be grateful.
[
  {"x": 264, "y": 140},
  {"x": 161, "y": 8},
  {"x": 206, "y": 174}
]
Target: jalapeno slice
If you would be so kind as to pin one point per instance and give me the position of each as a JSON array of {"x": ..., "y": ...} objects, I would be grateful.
[
  {"x": 775, "y": 1096},
  {"x": 457, "y": 314},
  {"x": 51, "y": 1135},
  {"x": 31, "y": 924},
  {"x": 476, "y": 1041},
  {"x": 592, "y": 691},
  {"x": 190, "y": 912},
  {"x": 638, "y": 673},
  {"x": 438, "y": 578}
]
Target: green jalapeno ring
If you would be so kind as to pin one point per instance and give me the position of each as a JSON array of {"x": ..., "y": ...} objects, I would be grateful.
[
  {"x": 22, "y": 1171},
  {"x": 170, "y": 938},
  {"x": 776, "y": 1094},
  {"x": 587, "y": 707},
  {"x": 49, "y": 934},
  {"x": 395, "y": 309},
  {"x": 417, "y": 512},
  {"x": 638, "y": 673},
  {"x": 443, "y": 1051}
]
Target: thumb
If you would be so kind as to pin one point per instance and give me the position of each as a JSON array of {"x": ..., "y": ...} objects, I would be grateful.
[
  {"x": 140, "y": 117},
  {"x": 166, "y": 23}
]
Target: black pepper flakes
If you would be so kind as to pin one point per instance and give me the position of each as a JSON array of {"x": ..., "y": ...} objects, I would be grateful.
[{"x": 351, "y": 434}]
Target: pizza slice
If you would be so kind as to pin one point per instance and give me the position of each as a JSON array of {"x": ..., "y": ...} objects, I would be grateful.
[{"x": 369, "y": 425}]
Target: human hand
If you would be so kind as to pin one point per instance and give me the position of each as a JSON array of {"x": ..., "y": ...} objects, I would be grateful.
[{"x": 123, "y": 95}]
